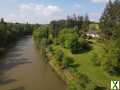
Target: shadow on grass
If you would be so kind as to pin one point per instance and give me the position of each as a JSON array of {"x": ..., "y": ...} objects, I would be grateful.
[
  {"x": 81, "y": 51},
  {"x": 115, "y": 71},
  {"x": 99, "y": 88}
]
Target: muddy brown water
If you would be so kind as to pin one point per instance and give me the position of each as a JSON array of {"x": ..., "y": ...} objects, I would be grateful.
[{"x": 23, "y": 69}]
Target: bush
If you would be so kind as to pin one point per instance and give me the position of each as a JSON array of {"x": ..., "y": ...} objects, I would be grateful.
[
  {"x": 41, "y": 33},
  {"x": 67, "y": 37},
  {"x": 72, "y": 86},
  {"x": 59, "y": 55},
  {"x": 79, "y": 46},
  {"x": 112, "y": 58},
  {"x": 56, "y": 41},
  {"x": 50, "y": 49},
  {"x": 68, "y": 62},
  {"x": 84, "y": 44},
  {"x": 84, "y": 81},
  {"x": 75, "y": 47}
]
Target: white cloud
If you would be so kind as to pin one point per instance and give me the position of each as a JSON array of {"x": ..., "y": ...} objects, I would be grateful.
[
  {"x": 35, "y": 13},
  {"x": 77, "y": 5},
  {"x": 40, "y": 9},
  {"x": 100, "y": 1},
  {"x": 95, "y": 15}
]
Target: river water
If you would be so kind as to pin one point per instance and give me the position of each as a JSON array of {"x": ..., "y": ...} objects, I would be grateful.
[{"x": 23, "y": 69}]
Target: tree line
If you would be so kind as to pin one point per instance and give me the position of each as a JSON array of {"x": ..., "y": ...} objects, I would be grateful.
[
  {"x": 110, "y": 34},
  {"x": 69, "y": 33},
  {"x": 79, "y": 23},
  {"x": 10, "y": 32}
]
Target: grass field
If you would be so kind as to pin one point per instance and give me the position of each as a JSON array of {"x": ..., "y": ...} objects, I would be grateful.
[{"x": 95, "y": 73}]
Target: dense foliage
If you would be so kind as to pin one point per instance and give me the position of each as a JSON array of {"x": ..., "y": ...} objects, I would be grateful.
[
  {"x": 41, "y": 36},
  {"x": 79, "y": 23},
  {"x": 10, "y": 32},
  {"x": 110, "y": 24},
  {"x": 110, "y": 20},
  {"x": 70, "y": 39}
]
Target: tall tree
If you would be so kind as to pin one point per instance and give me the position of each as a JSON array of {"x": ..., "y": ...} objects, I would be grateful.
[
  {"x": 54, "y": 28},
  {"x": 86, "y": 23},
  {"x": 110, "y": 25},
  {"x": 110, "y": 19}
]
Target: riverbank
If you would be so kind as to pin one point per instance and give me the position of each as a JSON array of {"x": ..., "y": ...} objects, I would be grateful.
[
  {"x": 64, "y": 74},
  {"x": 81, "y": 69},
  {"x": 88, "y": 74}
]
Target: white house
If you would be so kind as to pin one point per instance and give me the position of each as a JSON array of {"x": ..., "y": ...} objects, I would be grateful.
[{"x": 92, "y": 34}]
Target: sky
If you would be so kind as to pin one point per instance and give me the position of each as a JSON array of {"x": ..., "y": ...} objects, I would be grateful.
[{"x": 43, "y": 11}]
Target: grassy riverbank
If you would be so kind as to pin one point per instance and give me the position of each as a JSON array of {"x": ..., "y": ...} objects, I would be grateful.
[
  {"x": 95, "y": 76},
  {"x": 86, "y": 56},
  {"x": 79, "y": 61}
]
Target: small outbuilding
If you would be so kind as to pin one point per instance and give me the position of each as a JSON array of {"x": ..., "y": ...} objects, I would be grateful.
[{"x": 92, "y": 34}]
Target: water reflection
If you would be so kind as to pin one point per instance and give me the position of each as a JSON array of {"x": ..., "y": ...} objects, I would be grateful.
[
  {"x": 14, "y": 58},
  {"x": 18, "y": 88},
  {"x": 21, "y": 69}
]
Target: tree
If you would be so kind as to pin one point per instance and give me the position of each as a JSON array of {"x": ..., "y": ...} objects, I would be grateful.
[
  {"x": 86, "y": 23},
  {"x": 67, "y": 36},
  {"x": 80, "y": 24},
  {"x": 41, "y": 33},
  {"x": 110, "y": 25},
  {"x": 10, "y": 32},
  {"x": 69, "y": 22},
  {"x": 54, "y": 28},
  {"x": 110, "y": 20}
]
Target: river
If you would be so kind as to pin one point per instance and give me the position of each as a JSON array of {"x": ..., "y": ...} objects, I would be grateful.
[{"x": 23, "y": 69}]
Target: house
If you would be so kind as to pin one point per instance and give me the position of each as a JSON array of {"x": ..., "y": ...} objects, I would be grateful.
[{"x": 92, "y": 34}]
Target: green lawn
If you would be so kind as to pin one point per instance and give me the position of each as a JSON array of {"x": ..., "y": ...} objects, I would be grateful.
[{"x": 95, "y": 73}]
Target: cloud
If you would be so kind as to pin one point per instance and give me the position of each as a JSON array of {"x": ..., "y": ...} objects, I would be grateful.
[
  {"x": 77, "y": 5},
  {"x": 95, "y": 15},
  {"x": 40, "y": 9},
  {"x": 35, "y": 13},
  {"x": 100, "y": 1}
]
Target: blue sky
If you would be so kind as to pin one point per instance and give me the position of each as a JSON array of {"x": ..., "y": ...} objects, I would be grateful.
[{"x": 43, "y": 11}]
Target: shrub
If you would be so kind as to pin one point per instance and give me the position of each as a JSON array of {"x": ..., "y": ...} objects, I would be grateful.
[
  {"x": 59, "y": 55},
  {"x": 112, "y": 58},
  {"x": 75, "y": 47},
  {"x": 68, "y": 62},
  {"x": 79, "y": 46},
  {"x": 84, "y": 44},
  {"x": 84, "y": 80},
  {"x": 67, "y": 37},
  {"x": 50, "y": 49},
  {"x": 56, "y": 41},
  {"x": 72, "y": 86}
]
